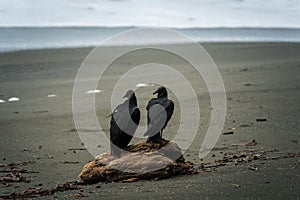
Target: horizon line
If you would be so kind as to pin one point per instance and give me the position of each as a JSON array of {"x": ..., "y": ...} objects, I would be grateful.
[{"x": 132, "y": 26}]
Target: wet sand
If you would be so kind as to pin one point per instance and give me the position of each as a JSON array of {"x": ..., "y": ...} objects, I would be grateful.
[{"x": 262, "y": 82}]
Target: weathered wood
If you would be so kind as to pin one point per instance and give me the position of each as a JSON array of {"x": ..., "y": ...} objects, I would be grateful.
[{"x": 141, "y": 162}]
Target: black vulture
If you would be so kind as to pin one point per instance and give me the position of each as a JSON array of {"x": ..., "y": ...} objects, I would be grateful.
[
  {"x": 123, "y": 124},
  {"x": 159, "y": 112}
]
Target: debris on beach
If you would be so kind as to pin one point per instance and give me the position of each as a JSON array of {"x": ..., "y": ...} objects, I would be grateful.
[
  {"x": 12, "y": 177},
  {"x": 144, "y": 85},
  {"x": 13, "y": 164},
  {"x": 77, "y": 149},
  {"x": 244, "y": 125},
  {"x": 294, "y": 141},
  {"x": 245, "y": 157},
  {"x": 251, "y": 84},
  {"x": 37, "y": 192},
  {"x": 228, "y": 133},
  {"x": 12, "y": 174},
  {"x": 252, "y": 143},
  {"x": 70, "y": 162},
  {"x": 51, "y": 95},
  {"x": 17, "y": 171},
  {"x": 235, "y": 185},
  {"x": 144, "y": 162},
  {"x": 231, "y": 129},
  {"x": 26, "y": 149},
  {"x": 93, "y": 91},
  {"x": 261, "y": 119},
  {"x": 253, "y": 168},
  {"x": 244, "y": 70},
  {"x": 13, "y": 99}
]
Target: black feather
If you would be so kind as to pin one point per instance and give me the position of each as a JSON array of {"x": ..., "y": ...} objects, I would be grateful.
[
  {"x": 122, "y": 128},
  {"x": 159, "y": 113}
]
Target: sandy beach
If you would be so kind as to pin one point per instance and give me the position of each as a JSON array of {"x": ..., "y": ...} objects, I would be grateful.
[{"x": 263, "y": 93}]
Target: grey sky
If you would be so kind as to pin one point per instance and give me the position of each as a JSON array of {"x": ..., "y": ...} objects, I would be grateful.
[{"x": 176, "y": 13}]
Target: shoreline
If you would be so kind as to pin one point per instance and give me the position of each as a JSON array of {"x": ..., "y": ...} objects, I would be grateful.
[{"x": 208, "y": 43}]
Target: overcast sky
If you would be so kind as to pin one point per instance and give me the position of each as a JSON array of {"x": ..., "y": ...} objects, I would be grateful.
[{"x": 168, "y": 13}]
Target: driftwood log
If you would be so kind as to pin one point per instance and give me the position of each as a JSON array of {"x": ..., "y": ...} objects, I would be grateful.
[{"x": 142, "y": 161}]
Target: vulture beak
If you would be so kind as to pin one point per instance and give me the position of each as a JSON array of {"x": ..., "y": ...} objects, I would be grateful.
[{"x": 156, "y": 92}]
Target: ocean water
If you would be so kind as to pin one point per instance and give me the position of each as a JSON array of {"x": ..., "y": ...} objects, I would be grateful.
[{"x": 24, "y": 38}]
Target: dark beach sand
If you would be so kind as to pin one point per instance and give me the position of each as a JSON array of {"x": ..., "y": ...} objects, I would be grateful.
[{"x": 262, "y": 80}]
